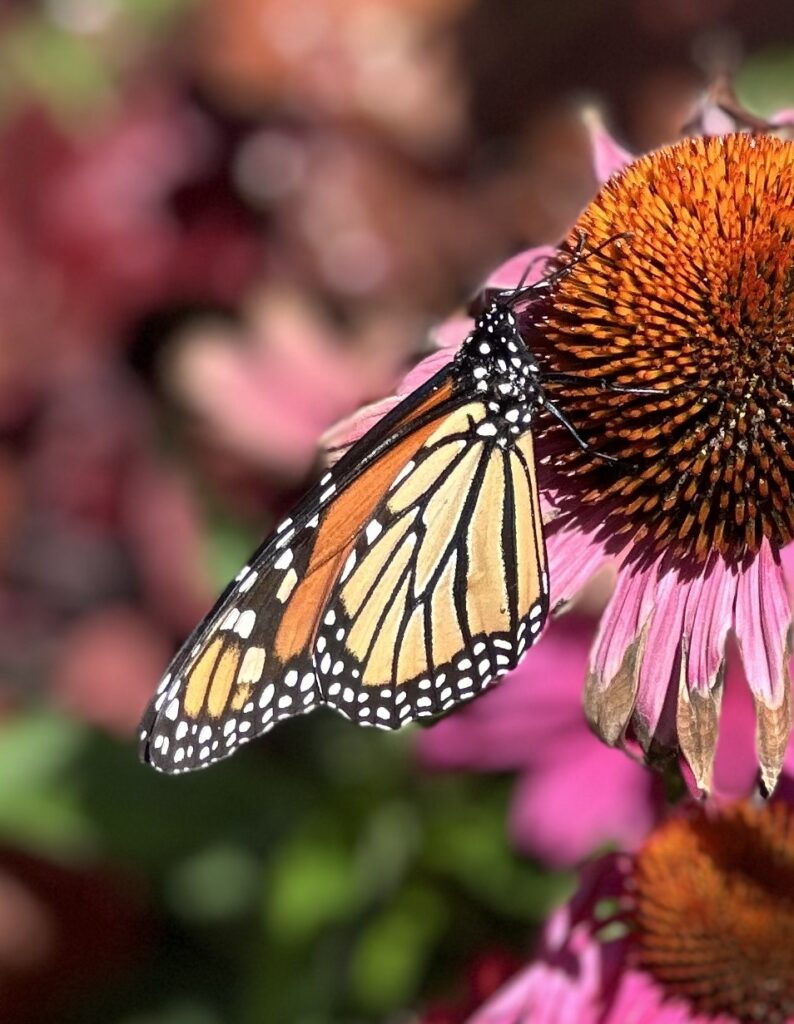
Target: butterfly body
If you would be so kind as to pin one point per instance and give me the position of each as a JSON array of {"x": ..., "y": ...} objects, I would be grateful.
[
  {"x": 407, "y": 581},
  {"x": 495, "y": 362}
]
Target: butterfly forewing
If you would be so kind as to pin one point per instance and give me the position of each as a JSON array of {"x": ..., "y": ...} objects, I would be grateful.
[{"x": 251, "y": 662}]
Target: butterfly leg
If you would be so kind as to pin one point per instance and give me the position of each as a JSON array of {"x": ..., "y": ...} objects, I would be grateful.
[{"x": 563, "y": 419}]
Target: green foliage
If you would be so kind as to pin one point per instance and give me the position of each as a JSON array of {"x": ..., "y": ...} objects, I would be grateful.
[
  {"x": 316, "y": 876},
  {"x": 766, "y": 81},
  {"x": 39, "y": 805}
]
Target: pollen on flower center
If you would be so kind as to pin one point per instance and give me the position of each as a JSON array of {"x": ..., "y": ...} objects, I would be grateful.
[
  {"x": 715, "y": 912},
  {"x": 696, "y": 302}
]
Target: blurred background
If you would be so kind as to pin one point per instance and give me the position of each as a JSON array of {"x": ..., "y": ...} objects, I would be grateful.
[{"x": 225, "y": 224}]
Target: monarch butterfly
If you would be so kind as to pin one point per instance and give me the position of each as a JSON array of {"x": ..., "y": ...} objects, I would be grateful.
[{"x": 408, "y": 580}]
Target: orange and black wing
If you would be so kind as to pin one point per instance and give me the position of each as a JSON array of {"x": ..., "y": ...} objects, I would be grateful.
[
  {"x": 251, "y": 661},
  {"x": 411, "y": 578}
]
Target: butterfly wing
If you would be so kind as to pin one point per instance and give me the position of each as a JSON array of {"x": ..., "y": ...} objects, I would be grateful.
[
  {"x": 446, "y": 585},
  {"x": 409, "y": 579},
  {"x": 251, "y": 661}
]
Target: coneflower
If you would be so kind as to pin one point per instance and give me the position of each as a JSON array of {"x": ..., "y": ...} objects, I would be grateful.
[{"x": 688, "y": 295}]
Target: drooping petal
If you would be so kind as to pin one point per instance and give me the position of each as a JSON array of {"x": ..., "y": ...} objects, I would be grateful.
[
  {"x": 334, "y": 442},
  {"x": 344, "y": 433},
  {"x": 697, "y": 726},
  {"x": 707, "y": 620},
  {"x": 608, "y": 156},
  {"x": 614, "y": 674},
  {"x": 425, "y": 369},
  {"x": 451, "y": 332},
  {"x": 763, "y": 625}
]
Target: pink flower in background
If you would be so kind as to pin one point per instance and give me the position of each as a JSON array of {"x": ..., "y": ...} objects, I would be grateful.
[
  {"x": 573, "y": 794},
  {"x": 105, "y": 665},
  {"x": 269, "y": 394},
  {"x": 685, "y": 298},
  {"x": 694, "y": 929},
  {"x": 390, "y": 67},
  {"x": 92, "y": 236}
]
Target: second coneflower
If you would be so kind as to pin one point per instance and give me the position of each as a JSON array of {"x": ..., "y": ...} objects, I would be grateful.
[{"x": 696, "y": 928}]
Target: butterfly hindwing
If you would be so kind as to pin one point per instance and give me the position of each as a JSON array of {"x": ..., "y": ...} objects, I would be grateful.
[{"x": 446, "y": 586}]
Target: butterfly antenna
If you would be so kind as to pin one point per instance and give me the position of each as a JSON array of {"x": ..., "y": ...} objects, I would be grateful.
[
  {"x": 578, "y": 256},
  {"x": 579, "y": 380}
]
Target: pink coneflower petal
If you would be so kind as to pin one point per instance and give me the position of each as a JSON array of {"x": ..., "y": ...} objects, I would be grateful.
[
  {"x": 565, "y": 984},
  {"x": 640, "y": 1000},
  {"x": 707, "y": 620},
  {"x": 763, "y": 625},
  {"x": 269, "y": 396},
  {"x": 613, "y": 676},
  {"x": 550, "y": 995},
  {"x": 574, "y": 558},
  {"x": 708, "y": 617},
  {"x": 344, "y": 433},
  {"x": 608, "y": 156},
  {"x": 451, "y": 332},
  {"x": 528, "y": 266},
  {"x": 663, "y": 632},
  {"x": 424, "y": 370}
]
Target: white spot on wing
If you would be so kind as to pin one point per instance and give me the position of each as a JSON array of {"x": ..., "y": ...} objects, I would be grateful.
[
  {"x": 248, "y": 582},
  {"x": 246, "y": 623},
  {"x": 284, "y": 560},
  {"x": 231, "y": 618},
  {"x": 349, "y": 566}
]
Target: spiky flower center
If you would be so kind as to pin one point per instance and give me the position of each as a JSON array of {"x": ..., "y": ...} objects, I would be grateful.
[
  {"x": 695, "y": 301},
  {"x": 715, "y": 912}
]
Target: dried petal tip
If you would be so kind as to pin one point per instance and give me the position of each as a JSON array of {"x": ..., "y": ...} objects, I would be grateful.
[
  {"x": 696, "y": 303},
  {"x": 714, "y": 912},
  {"x": 697, "y": 725},
  {"x": 773, "y": 730},
  {"x": 609, "y": 702}
]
